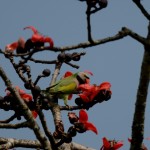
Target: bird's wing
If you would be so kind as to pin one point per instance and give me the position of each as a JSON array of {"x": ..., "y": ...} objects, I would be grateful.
[{"x": 66, "y": 87}]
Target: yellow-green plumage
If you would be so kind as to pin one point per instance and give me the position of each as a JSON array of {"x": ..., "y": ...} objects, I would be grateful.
[{"x": 66, "y": 86}]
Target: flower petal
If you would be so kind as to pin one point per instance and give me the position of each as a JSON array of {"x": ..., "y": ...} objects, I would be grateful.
[
  {"x": 106, "y": 143},
  {"x": 11, "y": 47},
  {"x": 118, "y": 145},
  {"x": 104, "y": 86},
  {"x": 26, "y": 97},
  {"x": 84, "y": 87},
  {"x": 83, "y": 116},
  {"x": 67, "y": 74},
  {"x": 88, "y": 92},
  {"x": 35, "y": 31},
  {"x": 90, "y": 126},
  {"x": 129, "y": 139},
  {"x": 34, "y": 113},
  {"x": 84, "y": 97},
  {"x": 37, "y": 38},
  {"x": 70, "y": 96},
  {"x": 19, "y": 90},
  {"x": 50, "y": 41}
]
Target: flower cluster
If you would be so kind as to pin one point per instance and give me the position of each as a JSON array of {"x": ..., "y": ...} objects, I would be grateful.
[
  {"x": 26, "y": 97},
  {"x": 36, "y": 41},
  {"x": 81, "y": 123},
  {"x": 91, "y": 92},
  {"x": 115, "y": 145},
  {"x": 111, "y": 144}
]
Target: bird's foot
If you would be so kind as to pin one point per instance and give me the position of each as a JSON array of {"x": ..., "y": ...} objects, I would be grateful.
[{"x": 68, "y": 107}]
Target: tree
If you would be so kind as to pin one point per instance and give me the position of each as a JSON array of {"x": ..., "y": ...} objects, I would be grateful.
[{"x": 137, "y": 135}]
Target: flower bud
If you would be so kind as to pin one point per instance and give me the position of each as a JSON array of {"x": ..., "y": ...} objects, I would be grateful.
[
  {"x": 75, "y": 56},
  {"x": 80, "y": 128},
  {"x": 46, "y": 72},
  {"x": 27, "y": 86},
  {"x": 73, "y": 117},
  {"x": 61, "y": 57},
  {"x": 68, "y": 57},
  {"x": 29, "y": 45},
  {"x": 37, "y": 89},
  {"x": 79, "y": 101},
  {"x": 103, "y": 3},
  {"x": 72, "y": 131}
]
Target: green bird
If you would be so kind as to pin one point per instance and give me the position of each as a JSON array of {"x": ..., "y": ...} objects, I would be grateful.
[{"x": 65, "y": 87}]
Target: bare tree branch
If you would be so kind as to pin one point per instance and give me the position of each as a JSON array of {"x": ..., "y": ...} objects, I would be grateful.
[
  {"x": 9, "y": 119},
  {"x": 43, "y": 62},
  {"x": 27, "y": 113},
  {"x": 121, "y": 34},
  {"x": 14, "y": 126},
  {"x": 135, "y": 36},
  {"x": 140, "y": 6},
  {"x": 7, "y": 143},
  {"x": 75, "y": 146},
  {"x": 140, "y": 105}
]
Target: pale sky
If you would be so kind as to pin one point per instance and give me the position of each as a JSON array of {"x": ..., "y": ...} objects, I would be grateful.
[{"x": 117, "y": 62}]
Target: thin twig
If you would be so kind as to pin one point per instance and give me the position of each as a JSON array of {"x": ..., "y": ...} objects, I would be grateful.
[
  {"x": 14, "y": 126},
  {"x": 18, "y": 71},
  {"x": 72, "y": 65},
  {"x": 43, "y": 61},
  {"x": 9, "y": 119},
  {"x": 7, "y": 143},
  {"x": 143, "y": 10},
  {"x": 89, "y": 24}
]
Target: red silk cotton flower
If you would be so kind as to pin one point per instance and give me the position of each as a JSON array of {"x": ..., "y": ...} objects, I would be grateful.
[
  {"x": 89, "y": 92},
  {"x": 111, "y": 144},
  {"x": 13, "y": 46},
  {"x": 83, "y": 118},
  {"x": 26, "y": 97},
  {"x": 37, "y": 37}
]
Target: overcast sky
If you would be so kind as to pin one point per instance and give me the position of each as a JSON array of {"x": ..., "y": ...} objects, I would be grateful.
[{"x": 117, "y": 62}]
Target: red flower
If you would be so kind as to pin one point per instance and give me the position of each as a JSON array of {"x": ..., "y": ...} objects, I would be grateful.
[
  {"x": 83, "y": 118},
  {"x": 67, "y": 74},
  {"x": 13, "y": 46},
  {"x": 111, "y": 145},
  {"x": 37, "y": 37},
  {"x": 89, "y": 92},
  {"x": 26, "y": 97}
]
